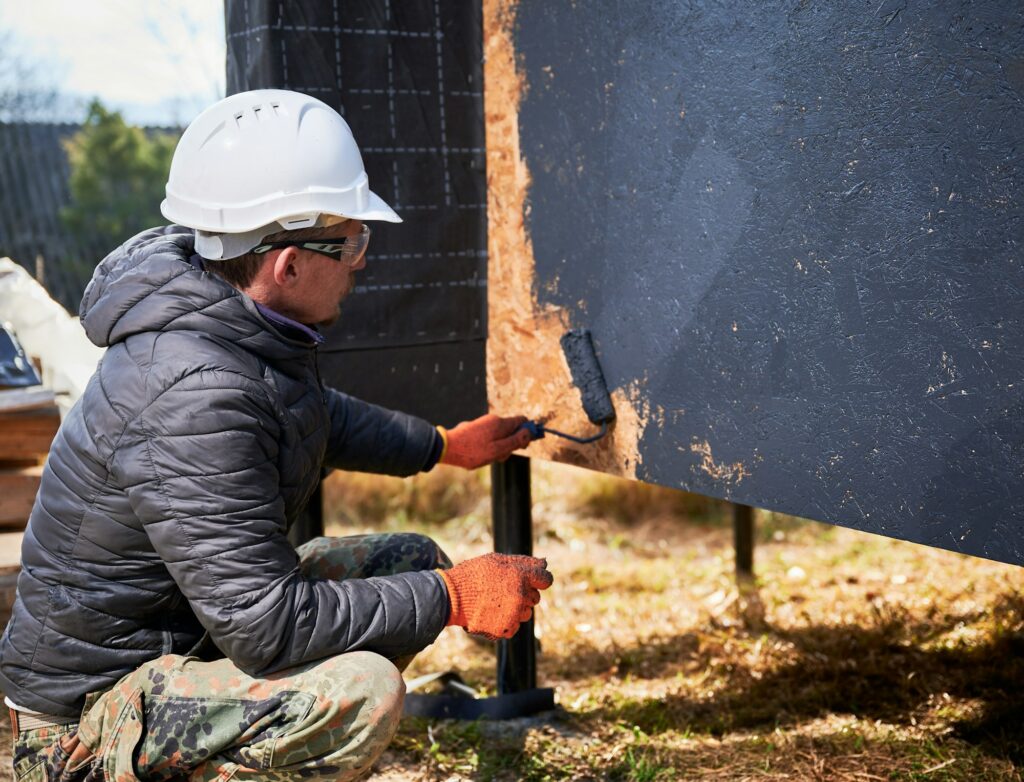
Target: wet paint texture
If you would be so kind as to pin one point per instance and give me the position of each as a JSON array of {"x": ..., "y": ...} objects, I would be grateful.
[
  {"x": 587, "y": 376},
  {"x": 796, "y": 229}
]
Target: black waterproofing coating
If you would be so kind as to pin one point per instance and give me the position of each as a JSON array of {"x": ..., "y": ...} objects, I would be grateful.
[{"x": 169, "y": 489}]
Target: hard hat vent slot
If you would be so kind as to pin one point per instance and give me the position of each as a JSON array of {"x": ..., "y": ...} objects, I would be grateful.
[{"x": 289, "y": 160}]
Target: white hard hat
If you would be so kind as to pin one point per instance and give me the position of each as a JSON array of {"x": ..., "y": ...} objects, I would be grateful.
[{"x": 263, "y": 161}]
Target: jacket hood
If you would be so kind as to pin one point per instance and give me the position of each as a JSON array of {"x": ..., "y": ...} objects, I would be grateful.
[{"x": 150, "y": 284}]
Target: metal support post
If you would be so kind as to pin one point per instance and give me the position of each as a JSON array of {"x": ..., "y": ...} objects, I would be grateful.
[
  {"x": 513, "y": 534},
  {"x": 743, "y": 539},
  {"x": 518, "y": 694}
]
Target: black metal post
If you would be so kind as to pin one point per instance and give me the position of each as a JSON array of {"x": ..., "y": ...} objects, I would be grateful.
[
  {"x": 743, "y": 539},
  {"x": 513, "y": 534},
  {"x": 518, "y": 694}
]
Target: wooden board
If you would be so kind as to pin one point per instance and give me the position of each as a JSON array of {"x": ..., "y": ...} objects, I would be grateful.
[
  {"x": 14, "y": 400},
  {"x": 18, "y": 489},
  {"x": 28, "y": 434},
  {"x": 10, "y": 567}
]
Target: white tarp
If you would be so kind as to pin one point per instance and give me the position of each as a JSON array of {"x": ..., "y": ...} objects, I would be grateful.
[{"x": 46, "y": 330}]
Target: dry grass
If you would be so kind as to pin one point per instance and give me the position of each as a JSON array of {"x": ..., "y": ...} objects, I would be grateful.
[
  {"x": 852, "y": 657},
  {"x": 358, "y": 499}
]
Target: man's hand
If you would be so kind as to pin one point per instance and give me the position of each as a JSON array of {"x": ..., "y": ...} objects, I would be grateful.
[
  {"x": 489, "y": 438},
  {"x": 491, "y": 595}
]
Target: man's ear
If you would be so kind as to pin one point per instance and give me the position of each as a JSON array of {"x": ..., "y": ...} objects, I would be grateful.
[{"x": 285, "y": 270}]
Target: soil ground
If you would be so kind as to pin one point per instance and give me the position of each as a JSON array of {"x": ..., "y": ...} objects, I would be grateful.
[{"x": 850, "y": 657}]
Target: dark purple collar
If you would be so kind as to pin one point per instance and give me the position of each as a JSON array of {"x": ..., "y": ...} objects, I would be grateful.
[{"x": 290, "y": 328}]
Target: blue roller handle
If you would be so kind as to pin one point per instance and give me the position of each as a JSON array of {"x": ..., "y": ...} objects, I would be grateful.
[{"x": 537, "y": 431}]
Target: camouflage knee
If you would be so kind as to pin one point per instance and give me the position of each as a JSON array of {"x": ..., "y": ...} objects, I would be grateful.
[
  {"x": 354, "y": 718},
  {"x": 363, "y": 556},
  {"x": 178, "y": 716}
]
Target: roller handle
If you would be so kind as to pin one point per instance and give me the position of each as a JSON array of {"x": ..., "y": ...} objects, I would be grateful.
[{"x": 537, "y": 431}]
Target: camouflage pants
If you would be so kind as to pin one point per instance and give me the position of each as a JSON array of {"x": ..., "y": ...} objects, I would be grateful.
[{"x": 181, "y": 718}]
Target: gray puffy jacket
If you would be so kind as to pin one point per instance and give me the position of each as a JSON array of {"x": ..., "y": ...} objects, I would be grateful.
[{"x": 171, "y": 484}]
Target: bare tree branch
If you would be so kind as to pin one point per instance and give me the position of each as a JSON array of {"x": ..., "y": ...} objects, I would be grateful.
[{"x": 25, "y": 94}]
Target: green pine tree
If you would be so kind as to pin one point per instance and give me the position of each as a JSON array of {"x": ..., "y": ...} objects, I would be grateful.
[{"x": 118, "y": 173}]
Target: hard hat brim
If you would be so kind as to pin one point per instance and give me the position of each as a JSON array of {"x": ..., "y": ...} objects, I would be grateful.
[
  {"x": 216, "y": 245},
  {"x": 379, "y": 210},
  {"x": 376, "y": 209}
]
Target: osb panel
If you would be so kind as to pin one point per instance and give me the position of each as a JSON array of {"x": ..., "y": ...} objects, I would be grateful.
[
  {"x": 805, "y": 258},
  {"x": 526, "y": 370}
]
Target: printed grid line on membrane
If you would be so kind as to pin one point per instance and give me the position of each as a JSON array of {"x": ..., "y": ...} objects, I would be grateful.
[
  {"x": 406, "y": 56},
  {"x": 390, "y": 31}
]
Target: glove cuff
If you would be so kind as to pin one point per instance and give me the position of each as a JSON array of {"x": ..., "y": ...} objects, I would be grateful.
[
  {"x": 455, "y": 612},
  {"x": 444, "y": 438}
]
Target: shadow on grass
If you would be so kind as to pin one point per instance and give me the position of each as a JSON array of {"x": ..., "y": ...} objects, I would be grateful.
[
  {"x": 837, "y": 756},
  {"x": 499, "y": 752},
  {"x": 840, "y": 757},
  {"x": 477, "y": 750},
  {"x": 885, "y": 671}
]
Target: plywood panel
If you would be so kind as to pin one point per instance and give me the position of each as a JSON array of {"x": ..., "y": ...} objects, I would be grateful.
[
  {"x": 526, "y": 371},
  {"x": 794, "y": 231}
]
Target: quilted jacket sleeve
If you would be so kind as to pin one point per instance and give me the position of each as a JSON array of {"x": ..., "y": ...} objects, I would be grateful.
[
  {"x": 369, "y": 438},
  {"x": 198, "y": 465}
]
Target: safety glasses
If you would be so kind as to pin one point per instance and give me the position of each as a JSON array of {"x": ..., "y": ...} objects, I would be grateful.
[{"x": 344, "y": 249}]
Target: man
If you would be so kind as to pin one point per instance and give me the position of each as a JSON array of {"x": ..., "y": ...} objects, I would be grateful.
[{"x": 164, "y": 627}]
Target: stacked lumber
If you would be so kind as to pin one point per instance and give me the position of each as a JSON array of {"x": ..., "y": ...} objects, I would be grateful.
[
  {"x": 10, "y": 567},
  {"x": 29, "y": 419}
]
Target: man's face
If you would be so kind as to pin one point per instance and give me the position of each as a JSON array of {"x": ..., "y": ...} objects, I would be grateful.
[{"x": 324, "y": 282}]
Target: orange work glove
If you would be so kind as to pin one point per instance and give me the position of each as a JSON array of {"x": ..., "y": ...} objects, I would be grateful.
[
  {"x": 483, "y": 440},
  {"x": 492, "y": 594}
]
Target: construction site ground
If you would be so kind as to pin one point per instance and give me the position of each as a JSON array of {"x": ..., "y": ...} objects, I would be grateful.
[{"x": 850, "y": 657}]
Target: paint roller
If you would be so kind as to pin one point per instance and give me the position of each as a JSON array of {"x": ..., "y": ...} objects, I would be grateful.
[{"x": 581, "y": 357}]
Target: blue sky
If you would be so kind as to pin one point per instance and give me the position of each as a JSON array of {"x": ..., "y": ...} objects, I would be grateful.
[{"x": 159, "y": 62}]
